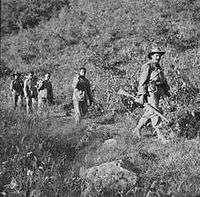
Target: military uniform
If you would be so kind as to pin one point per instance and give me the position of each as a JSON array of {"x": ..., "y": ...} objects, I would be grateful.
[
  {"x": 152, "y": 86},
  {"x": 45, "y": 95},
  {"x": 16, "y": 87},
  {"x": 30, "y": 93},
  {"x": 81, "y": 97}
]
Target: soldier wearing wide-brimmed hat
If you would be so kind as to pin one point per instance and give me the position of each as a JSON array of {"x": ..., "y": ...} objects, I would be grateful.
[
  {"x": 16, "y": 88},
  {"x": 152, "y": 86},
  {"x": 155, "y": 50}
]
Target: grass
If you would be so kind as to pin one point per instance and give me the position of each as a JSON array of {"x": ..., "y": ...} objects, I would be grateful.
[
  {"x": 111, "y": 39},
  {"x": 37, "y": 157}
]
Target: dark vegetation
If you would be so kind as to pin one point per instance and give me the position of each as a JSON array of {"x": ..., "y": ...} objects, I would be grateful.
[{"x": 111, "y": 38}]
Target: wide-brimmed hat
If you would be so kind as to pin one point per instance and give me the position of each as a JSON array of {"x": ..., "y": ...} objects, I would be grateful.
[
  {"x": 16, "y": 74},
  {"x": 155, "y": 50}
]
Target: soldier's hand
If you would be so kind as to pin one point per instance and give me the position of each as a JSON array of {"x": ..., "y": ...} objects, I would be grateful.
[
  {"x": 140, "y": 100},
  {"x": 168, "y": 94}
]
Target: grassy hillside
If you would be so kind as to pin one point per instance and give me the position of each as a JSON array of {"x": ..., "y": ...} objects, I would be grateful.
[
  {"x": 44, "y": 157},
  {"x": 111, "y": 38}
]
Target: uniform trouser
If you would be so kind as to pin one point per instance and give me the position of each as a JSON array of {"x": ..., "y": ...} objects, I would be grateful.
[
  {"x": 43, "y": 106},
  {"x": 30, "y": 104},
  {"x": 80, "y": 110},
  {"x": 153, "y": 100},
  {"x": 17, "y": 99}
]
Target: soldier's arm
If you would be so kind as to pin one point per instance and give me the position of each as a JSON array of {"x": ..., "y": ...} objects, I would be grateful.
[
  {"x": 22, "y": 84},
  {"x": 89, "y": 92},
  {"x": 142, "y": 89},
  {"x": 165, "y": 85},
  {"x": 40, "y": 85},
  {"x": 11, "y": 86},
  {"x": 75, "y": 81},
  {"x": 145, "y": 71},
  {"x": 51, "y": 93},
  {"x": 25, "y": 88},
  {"x": 167, "y": 88}
]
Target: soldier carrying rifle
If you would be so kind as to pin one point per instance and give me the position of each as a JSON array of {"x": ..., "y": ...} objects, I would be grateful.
[{"x": 152, "y": 86}]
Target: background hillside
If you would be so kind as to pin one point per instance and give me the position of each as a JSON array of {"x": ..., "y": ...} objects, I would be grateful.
[{"x": 111, "y": 38}]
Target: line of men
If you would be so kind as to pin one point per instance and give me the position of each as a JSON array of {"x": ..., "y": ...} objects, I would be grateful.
[
  {"x": 152, "y": 87},
  {"x": 35, "y": 93},
  {"x": 39, "y": 93}
]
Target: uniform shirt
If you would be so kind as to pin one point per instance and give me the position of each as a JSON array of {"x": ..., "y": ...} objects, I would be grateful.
[
  {"x": 30, "y": 88},
  {"x": 152, "y": 79},
  {"x": 82, "y": 84},
  {"x": 45, "y": 90},
  {"x": 17, "y": 86}
]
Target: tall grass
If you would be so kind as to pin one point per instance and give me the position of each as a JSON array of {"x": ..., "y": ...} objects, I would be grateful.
[
  {"x": 37, "y": 158},
  {"x": 34, "y": 157}
]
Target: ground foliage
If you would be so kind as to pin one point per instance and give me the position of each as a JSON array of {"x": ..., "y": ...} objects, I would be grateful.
[
  {"x": 37, "y": 159},
  {"x": 111, "y": 39}
]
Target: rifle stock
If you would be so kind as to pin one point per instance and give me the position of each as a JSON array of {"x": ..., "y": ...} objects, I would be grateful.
[{"x": 123, "y": 92}]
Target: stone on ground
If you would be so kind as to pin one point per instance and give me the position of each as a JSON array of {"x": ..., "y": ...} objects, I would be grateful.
[{"x": 107, "y": 175}]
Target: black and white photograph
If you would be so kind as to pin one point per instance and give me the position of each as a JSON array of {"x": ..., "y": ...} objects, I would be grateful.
[{"x": 100, "y": 98}]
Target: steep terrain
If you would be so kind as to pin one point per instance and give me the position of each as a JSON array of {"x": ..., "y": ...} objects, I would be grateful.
[{"x": 111, "y": 38}]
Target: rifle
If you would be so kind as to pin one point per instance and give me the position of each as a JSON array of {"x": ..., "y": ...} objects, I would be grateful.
[{"x": 123, "y": 92}]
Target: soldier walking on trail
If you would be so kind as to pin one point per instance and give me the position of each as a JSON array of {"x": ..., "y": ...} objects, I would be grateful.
[
  {"x": 30, "y": 92},
  {"x": 45, "y": 94},
  {"x": 152, "y": 86},
  {"x": 81, "y": 96},
  {"x": 16, "y": 88}
]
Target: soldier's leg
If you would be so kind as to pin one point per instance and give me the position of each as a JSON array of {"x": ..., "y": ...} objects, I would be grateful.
[
  {"x": 47, "y": 107},
  {"x": 155, "y": 119},
  {"x": 147, "y": 114},
  {"x": 156, "y": 123},
  {"x": 83, "y": 108},
  {"x": 34, "y": 104},
  {"x": 29, "y": 108},
  {"x": 153, "y": 100},
  {"x": 77, "y": 113},
  {"x": 21, "y": 101},
  {"x": 40, "y": 105},
  {"x": 15, "y": 99},
  {"x": 143, "y": 120},
  {"x": 43, "y": 107}
]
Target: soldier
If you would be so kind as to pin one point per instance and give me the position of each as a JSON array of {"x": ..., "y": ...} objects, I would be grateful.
[
  {"x": 16, "y": 88},
  {"x": 45, "y": 94},
  {"x": 30, "y": 92},
  {"x": 152, "y": 86},
  {"x": 81, "y": 96}
]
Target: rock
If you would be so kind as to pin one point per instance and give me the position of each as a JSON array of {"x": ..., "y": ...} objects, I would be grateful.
[
  {"x": 109, "y": 143},
  {"x": 110, "y": 175},
  {"x": 35, "y": 193},
  {"x": 152, "y": 194}
]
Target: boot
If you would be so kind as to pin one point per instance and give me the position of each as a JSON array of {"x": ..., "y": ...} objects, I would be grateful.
[
  {"x": 161, "y": 137},
  {"x": 136, "y": 132}
]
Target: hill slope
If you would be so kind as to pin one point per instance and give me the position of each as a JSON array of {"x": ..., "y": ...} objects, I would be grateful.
[{"x": 111, "y": 38}]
